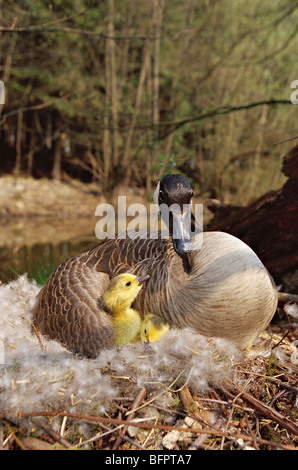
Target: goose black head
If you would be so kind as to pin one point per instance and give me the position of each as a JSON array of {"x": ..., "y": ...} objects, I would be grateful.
[{"x": 173, "y": 196}]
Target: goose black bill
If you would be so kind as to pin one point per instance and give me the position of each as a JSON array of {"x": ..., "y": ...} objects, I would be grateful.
[
  {"x": 182, "y": 230},
  {"x": 142, "y": 279}
]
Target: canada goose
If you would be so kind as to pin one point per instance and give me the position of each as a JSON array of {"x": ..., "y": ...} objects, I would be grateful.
[
  {"x": 128, "y": 326},
  {"x": 212, "y": 282},
  {"x": 153, "y": 327},
  {"x": 117, "y": 299}
]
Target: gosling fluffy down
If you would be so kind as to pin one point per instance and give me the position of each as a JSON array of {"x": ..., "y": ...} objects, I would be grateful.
[
  {"x": 118, "y": 297},
  {"x": 153, "y": 327}
]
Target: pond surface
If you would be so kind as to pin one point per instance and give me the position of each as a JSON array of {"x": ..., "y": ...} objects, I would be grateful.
[{"x": 36, "y": 246}]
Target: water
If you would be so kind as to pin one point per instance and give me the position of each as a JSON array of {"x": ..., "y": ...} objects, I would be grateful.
[{"x": 36, "y": 246}]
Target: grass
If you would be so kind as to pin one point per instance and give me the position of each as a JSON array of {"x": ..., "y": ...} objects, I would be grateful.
[{"x": 39, "y": 272}]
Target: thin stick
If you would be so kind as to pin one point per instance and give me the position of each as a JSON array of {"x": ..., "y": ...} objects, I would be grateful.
[
  {"x": 275, "y": 380},
  {"x": 231, "y": 413},
  {"x": 160, "y": 394},
  {"x": 55, "y": 435},
  {"x": 139, "y": 398},
  {"x": 149, "y": 426},
  {"x": 285, "y": 140},
  {"x": 267, "y": 411},
  {"x": 104, "y": 419},
  {"x": 110, "y": 431},
  {"x": 287, "y": 332},
  {"x": 37, "y": 335},
  {"x": 15, "y": 437}
]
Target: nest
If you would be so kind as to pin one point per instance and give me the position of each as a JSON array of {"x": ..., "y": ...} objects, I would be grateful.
[{"x": 184, "y": 392}]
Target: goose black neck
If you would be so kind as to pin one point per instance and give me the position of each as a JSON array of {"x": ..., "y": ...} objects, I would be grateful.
[{"x": 174, "y": 200}]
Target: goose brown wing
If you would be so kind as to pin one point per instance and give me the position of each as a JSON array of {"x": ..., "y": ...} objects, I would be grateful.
[
  {"x": 128, "y": 251},
  {"x": 67, "y": 309}
]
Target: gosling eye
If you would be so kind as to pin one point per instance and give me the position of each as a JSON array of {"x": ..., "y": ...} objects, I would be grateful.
[
  {"x": 128, "y": 283},
  {"x": 145, "y": 331}
]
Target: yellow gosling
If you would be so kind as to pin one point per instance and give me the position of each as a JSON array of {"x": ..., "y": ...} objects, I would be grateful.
[
  {"x": 120, "y": 294},
  {"x": 153, "y": 327}
]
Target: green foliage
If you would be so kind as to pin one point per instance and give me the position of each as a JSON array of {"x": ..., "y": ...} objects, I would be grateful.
[
  {"x": 271, "y": 365},
  {"x": 212, "y": 54},
  {"x": 167, "y": 165},
  {"x": 39, "y": 272}
]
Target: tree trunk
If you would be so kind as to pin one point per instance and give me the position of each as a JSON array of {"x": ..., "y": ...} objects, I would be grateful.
[
  {"x": 106, "y": 122},
  {"x": 176, "y": 95},
  {"x": 269, "y": 225},
  {"x": 148, "y": 132},
  {"x": 114, "y": 91},
  {"x": 17, "y": 167},
  {"x": 32, "y": 144},
  {"x": 56, "y": 172},
  {"x": 127, "y": 150},
  {"x": 157, "y": 20}
]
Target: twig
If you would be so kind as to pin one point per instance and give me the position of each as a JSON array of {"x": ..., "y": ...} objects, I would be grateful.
[
  {"x": 266, "y": 411},
  {"x": 108, "y": 431},
  {"x": 14, "y": 436},
  {"x": 139, "y": 398},
  {"x": 187, "y": 400},
  {"x": 160, "y": 394},
  {"x": 37, "y": 335},
  {"x": 150, "y": 434},
  {"x": 104, "y": 419},
  {"x": 286, "y": 385},
  {"x": 198, "y": 443},
  {"x": 150, "y": 426},
  {"x": 220, "y": 111},
  {"x": 191, "y": 407},
  {"x": 288, "y": 330},
  {"x": 254, "y": 440},
  {"x": 285, "y": 140},
  {"x": 232, "y": 411},
  {"x": 55, "y": 435}
]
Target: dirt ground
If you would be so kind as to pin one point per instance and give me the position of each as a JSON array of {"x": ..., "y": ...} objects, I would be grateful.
[{"x": 42, "y": 197}]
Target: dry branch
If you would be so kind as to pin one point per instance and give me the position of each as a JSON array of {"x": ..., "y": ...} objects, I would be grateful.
[
  {"x": 55, "y": 435},
  {"x": 136, "y": 404},
  {"x": 101, "y": 419},
  {"x": 265, "y": 410}
]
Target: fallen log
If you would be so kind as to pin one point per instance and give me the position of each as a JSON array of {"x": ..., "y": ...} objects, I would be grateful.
[{"x": 269, "y": 225}]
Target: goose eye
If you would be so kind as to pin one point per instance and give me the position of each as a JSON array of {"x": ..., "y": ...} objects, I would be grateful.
[{"x": 128, "y": 283}]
